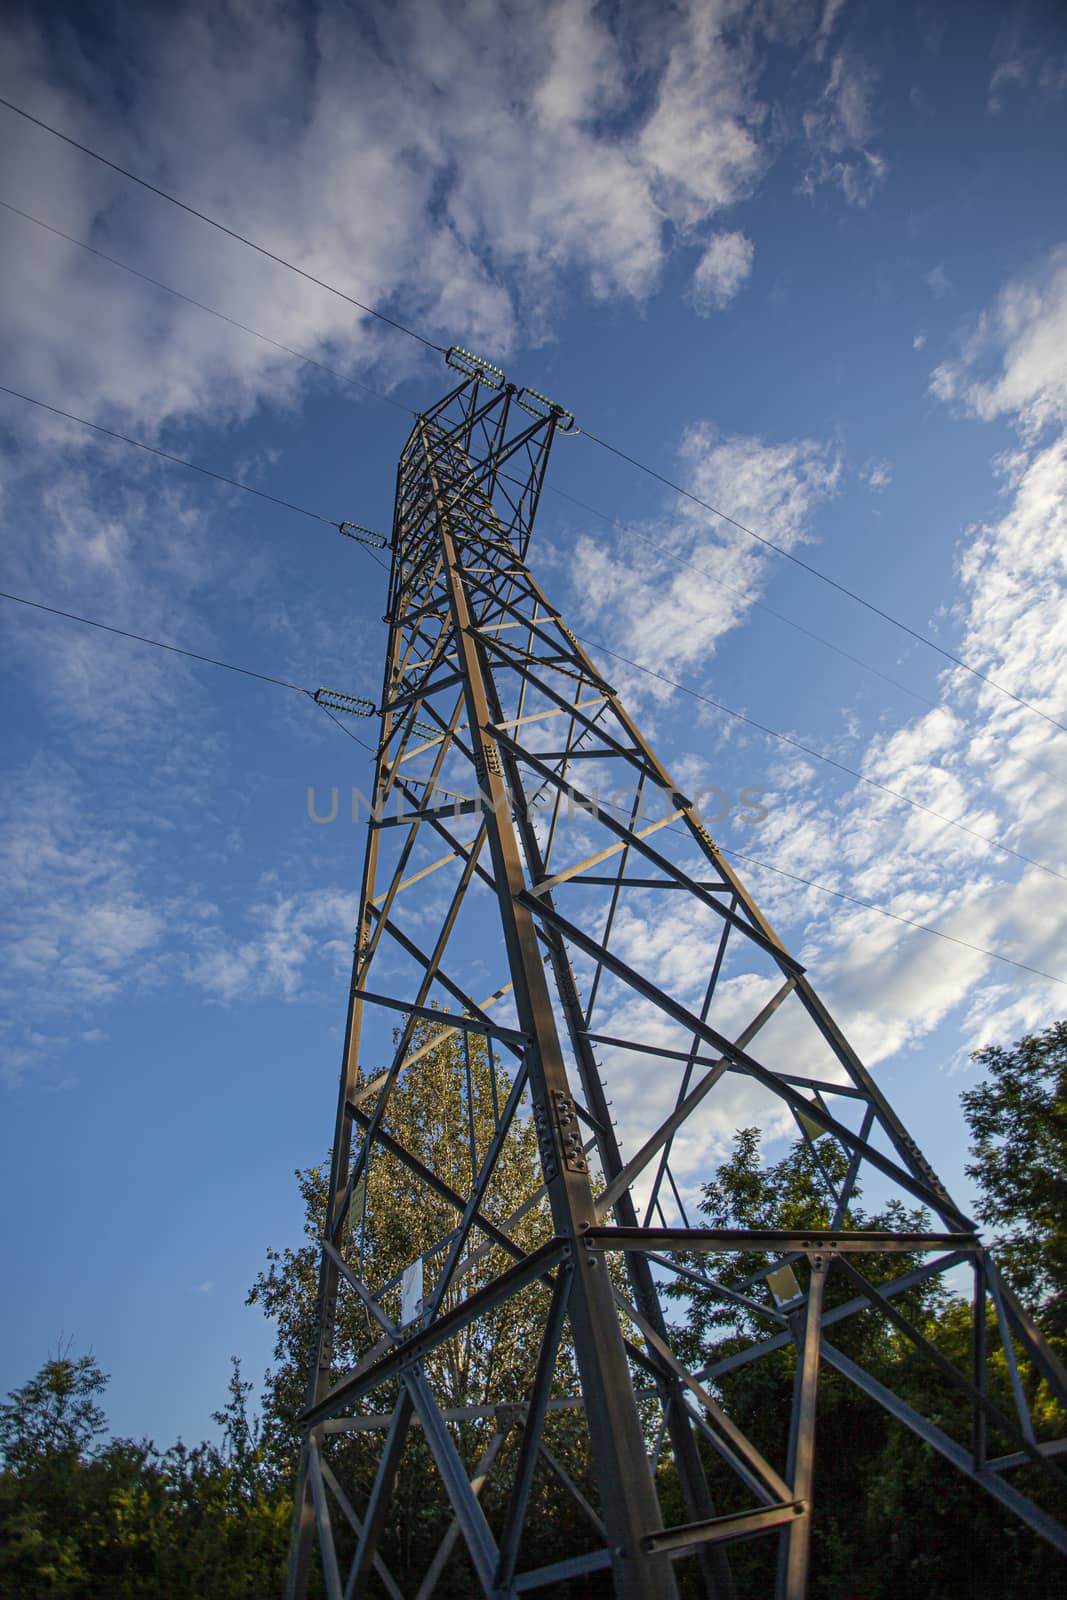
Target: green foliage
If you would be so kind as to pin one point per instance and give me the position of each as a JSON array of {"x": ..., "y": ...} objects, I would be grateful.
[
  {"x": 444, "y": 1112},
  {"x": 54, "y": 1415},
  {"x": 124, "y": 1521},
  {"x": 1018, "y": 1123},
  {"x": 892, "y": 1517},
  {"x": 438, "y": 1111},
  {"x": 121, "y": 1520}
]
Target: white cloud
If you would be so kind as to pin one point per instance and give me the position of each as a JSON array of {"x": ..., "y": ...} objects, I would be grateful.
[
  {"x": 938, "y": 281},
  {"x": 1014, "y": 574},
  {"x": 699, "y": 145},
  {"x": 291, "y": 931},
  {"x": 1013, "y": 362},
  {"x": 919, "y": 341},
  {"x": 839, "y": 129},
  {"x": 721, "y": 270},
  {"x": 78, "y": 924},
  {"x": 544, "y": 164},
  {"x": 876, "y": 475},
  {"x": 674, "y": 616}
]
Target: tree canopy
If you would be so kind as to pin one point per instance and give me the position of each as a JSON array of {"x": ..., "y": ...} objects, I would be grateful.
[{"x": 1018, "y": 1123}]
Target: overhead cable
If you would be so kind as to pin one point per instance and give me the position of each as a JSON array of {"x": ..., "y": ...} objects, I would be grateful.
[
  {"x": 669, "y": 555},
  {"x": 212, "y": 311},
  {"x": 910, "y": 922},
  {"x": 231, "y": 233},
  {"x": 180, "y": 461},
  {"x": 283, "y": 683},
  {"x": 824, "y": 577},
  {"x": 604, "y": 444},
  {"x": 819, "y": 755},
  {"x": 193, "y": 655}
]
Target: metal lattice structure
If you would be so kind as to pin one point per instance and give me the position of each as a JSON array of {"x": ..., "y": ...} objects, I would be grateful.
[{"x": 619, "y": 951}]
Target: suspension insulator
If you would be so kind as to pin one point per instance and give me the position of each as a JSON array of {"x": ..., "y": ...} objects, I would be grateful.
[
  {"x": 352, "y": 530},
  {"x": 474, "y": 367},
  {"x": 539, "y": 405},
  {"x": 353, "y": 705}
]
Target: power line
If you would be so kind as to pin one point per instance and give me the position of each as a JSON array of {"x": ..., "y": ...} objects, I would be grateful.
[
  {"x": 180, "y": 461},
  {"x": 221, "y": 226},
  {"x": 819, "y": 755},
  {"x": 641, "y": 466},
  {"x": 167, "y": 288},
  {"x": 338, "y": 723},
  {"x": 193, "y": 655},
  {"x": 824, "y": 577},
  {"x": 283, "y": 683},
  {"x": 141, "y": 638},
  {"x": 761, "y": 605},
  {"x": 923, "y": 927}
]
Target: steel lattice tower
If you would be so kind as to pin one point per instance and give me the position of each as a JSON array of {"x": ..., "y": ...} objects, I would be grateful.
[{"x": 494, "y": 868}]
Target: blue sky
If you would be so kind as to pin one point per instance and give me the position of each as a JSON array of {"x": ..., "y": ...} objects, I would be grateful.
[{"x": 808, "y": 260}]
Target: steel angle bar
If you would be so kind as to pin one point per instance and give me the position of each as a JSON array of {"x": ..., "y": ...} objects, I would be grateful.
[
  {"x": 612, "y": 1040},
  {"x": 561, "y": 1571},
  {"x": 356, "y": 1525},
  {"x": 1039, "y": 1520},
  {"x": 454, "y": 989},
  {"x": 738, "y": 1525},
  {"x": 531, "y": 1434},
  {"x": 755, "y": 1069},
  {"x": 807, "y": 1331},
  {"x": 713, "y": 1370},
  {"x": 407, "y": 1028},
  {"x": 360, "y": 1289},
  {"x": 718, "y": 1290},
  {"x": 547, "y": 884},
  {"x": 458, "y": 808},
  {"x": 502, "y": 1412},
  {"x": 419, "y": 691},
  {"x": 510, "y": 725},
  {"x": 1038, "y": 1350},
  {"x": 848, "y": 1187},
  {"x": 433, "y": 1181},
  {"x": 785, "y": 961},
  {"x": 558, "y": 1470},
  {"x": 772, "y": 1486},
  {"x": 444, "y": 1550},
  {"x": 533, "y": 1199},
  {"x": 477, "y": 1535},
  {"x": 666, "y": 1130},
  {"x": 1049, "y": 1447},
  {"x": 453, "y": 1022},
  {"x": 721, "y": 1240},
  {"x": 331, "y": 1573},
  {"x": 987, "y": 1410},
  {"x": 1022, "y": 1409},
  {"x": 471, "y": 1211},
  {"x": 374, "y": 1518},
  {"x": 423, "y": 1340}
]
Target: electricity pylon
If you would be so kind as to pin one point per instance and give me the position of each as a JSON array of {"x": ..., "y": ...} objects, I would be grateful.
[{"x": 527, "y": 844}]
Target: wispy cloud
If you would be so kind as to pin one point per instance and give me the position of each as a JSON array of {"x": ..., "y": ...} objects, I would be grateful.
[
  {"x": 722, "y": 269},
  {"x": 673, "y": 616},
  {"x": 1013, "y": 361},
  {"x": 839, "y": 130}
]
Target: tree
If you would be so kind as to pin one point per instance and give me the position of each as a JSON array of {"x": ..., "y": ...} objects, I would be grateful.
[
  {"x": 892, "y": 1518},
  {"x": 1018, "y": 1123},
  {"x": 123, "y": 1521},
  {"x": 54, "y": 1415},
  {"x": 444, "y": 1111}
]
